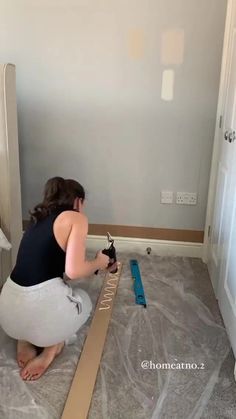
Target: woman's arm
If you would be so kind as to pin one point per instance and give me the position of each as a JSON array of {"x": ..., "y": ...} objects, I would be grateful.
[{"x": 76, "y": 265}]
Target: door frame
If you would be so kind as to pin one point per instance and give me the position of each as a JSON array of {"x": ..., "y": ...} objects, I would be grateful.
[{"x": 231, "y": 5}]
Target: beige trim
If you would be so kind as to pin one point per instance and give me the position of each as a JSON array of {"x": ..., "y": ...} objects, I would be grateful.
[
  {"x": 80, "y": 394},
  {"x": 10, "y": 188},
  {"x": 193, "y": 236}
]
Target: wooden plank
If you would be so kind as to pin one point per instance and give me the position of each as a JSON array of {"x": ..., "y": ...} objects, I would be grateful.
[
  {"x": 81, "y": 391},
  {"x": 192, "y": 236}
]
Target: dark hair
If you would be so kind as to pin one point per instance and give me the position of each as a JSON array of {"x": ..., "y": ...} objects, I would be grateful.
[{"x": 58, "y": 192}]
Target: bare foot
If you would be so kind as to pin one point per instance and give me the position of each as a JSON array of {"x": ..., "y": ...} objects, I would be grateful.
[
  {"x": 37, "y": 366},
  {"x": 25, "y": 352}
]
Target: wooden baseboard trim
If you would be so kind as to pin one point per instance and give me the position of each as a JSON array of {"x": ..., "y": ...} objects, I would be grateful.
[{"x": 193, "y": 236}]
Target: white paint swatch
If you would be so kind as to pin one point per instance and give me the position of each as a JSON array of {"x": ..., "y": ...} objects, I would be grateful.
[{"x": 167, "y": 90}]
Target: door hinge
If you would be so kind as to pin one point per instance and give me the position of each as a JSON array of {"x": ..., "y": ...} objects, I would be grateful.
[
  {"x": 209, "y": 231},
  {"x": 220, "y": 121}
]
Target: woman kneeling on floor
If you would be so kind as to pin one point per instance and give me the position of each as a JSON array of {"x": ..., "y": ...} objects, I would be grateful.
[{"x": 37, "y": 307}]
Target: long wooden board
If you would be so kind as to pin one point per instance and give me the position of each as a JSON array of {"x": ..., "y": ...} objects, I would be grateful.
[{"x": 81, "y": 391}]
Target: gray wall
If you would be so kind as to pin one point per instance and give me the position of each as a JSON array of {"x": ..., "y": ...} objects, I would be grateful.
[{"x": 89, "y": 86}]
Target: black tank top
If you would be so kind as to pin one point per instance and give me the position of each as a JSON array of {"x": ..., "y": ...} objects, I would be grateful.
[{"x": 39, "y": 258}]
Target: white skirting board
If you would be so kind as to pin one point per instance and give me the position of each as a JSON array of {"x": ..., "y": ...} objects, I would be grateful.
[{"x": 158, "y": 247}]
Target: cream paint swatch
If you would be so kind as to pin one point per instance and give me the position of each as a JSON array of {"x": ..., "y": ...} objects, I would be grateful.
[
  {"x": 172, "y": 47},
  {"x": 167, "y": 90},
  {"x": 136, "y": 44}
]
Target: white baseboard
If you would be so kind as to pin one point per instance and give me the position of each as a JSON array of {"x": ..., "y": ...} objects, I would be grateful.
[{"x": 158, "y": 247}]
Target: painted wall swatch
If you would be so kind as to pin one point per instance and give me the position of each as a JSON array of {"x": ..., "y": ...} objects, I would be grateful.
[
  {"x": 172, "y": 47},
  {"x": 167, "y": 89},
  {"x": 136, "y": 44}
]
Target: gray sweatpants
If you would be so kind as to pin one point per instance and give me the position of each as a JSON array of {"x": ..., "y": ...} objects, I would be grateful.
[{"x": 44, "y": 314}]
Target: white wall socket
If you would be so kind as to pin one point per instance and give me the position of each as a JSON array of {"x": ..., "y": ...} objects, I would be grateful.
[
  {"x": 166, "y": 197},
  {"x": 186, "y": 198}
]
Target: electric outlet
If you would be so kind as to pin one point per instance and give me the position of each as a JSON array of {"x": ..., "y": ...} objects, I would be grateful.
[
  {"x": 166, "y": 197},
  {"x": 186, "y": 198},
  {"x": 179, "y": 198},
  {"x": 192, "y": 198}
]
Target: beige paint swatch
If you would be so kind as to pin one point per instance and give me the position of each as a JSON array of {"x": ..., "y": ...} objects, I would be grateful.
[
  {"x": 167, "y": 89},
  {"x": 172, "y": 47},
  {"x": 136, "y": 44}
]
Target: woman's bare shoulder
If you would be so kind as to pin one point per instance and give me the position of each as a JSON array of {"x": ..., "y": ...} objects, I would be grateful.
[
  {"x": 72, "y": 217},
  {"x": 69, "y": 222}
]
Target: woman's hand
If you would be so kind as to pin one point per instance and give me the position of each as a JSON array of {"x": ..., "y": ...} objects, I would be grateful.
[
  {"x": 102, "y": 260},
  {"x": 112, "y": 268}
]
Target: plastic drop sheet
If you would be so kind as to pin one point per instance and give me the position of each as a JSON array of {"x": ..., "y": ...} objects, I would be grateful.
[{"x": 176, "y": 327}]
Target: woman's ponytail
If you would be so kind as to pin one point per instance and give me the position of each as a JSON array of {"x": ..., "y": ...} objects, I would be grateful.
[
  {"x": 58, "y": 192},
  {"x": 54, "y": 188}
]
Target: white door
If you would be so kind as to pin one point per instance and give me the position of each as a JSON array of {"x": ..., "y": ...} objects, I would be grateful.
[
  {"x": 225, "y": 161},
  {"x": 222, "y": 264}
]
